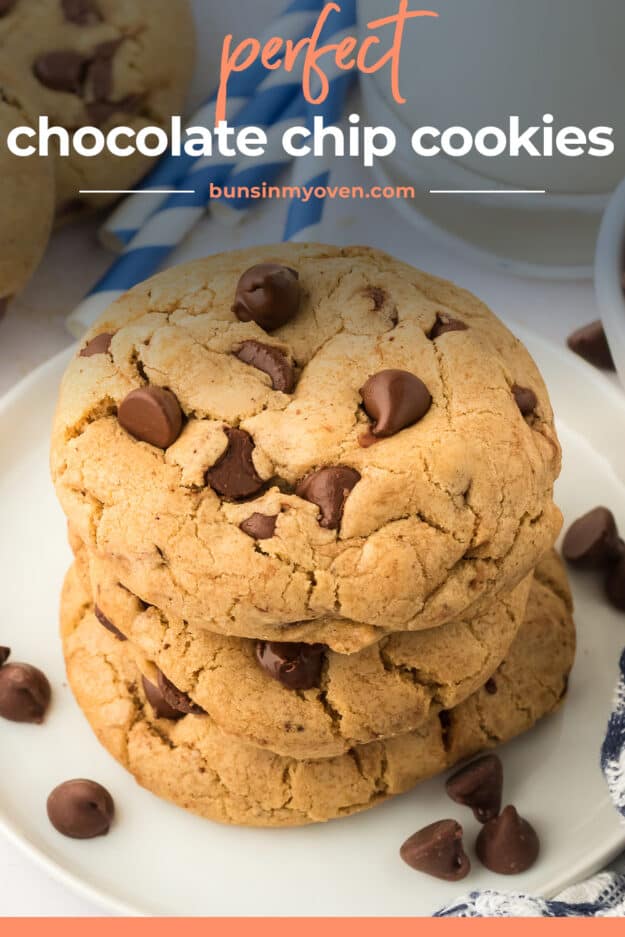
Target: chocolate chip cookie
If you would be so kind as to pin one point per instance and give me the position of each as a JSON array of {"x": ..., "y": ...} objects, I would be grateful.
[
  {"x": 306, "y": 701},
  {"x": 402, "y": 476},
  {"x": 27, "y": 195},
  {"x": 189, "y": 760},
  {"x": 100, "y": 63}
]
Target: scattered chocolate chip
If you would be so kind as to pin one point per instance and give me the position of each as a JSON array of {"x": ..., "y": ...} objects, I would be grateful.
[
  {"x": 394, "y": 400},
  {"x": 24, "y": 693},
  {"x": 507, "y": 844},
  {"x": 270, "y": 360},
  {"x": 260, "y": 526},
  {"x": 437, "y": 850},
  {"x": 479, "y": 786},
  {"x": 153, "y": 415},
  {"x": 296, "y": 666},
  {"x": 491, "y": 686},
  {"x": 525, "y": 398},
  {"x": 377, "y": 295},
  {"x": 100, "y": 71},
  {"x": 233, "y": 475},
  {"x": 592, "y": 541},
  {"x": 615, "y": 585},
  {"x": 366, "y": 440},
  {"x": 99, "y": 345},
  {"x": 329, "y": 489},
  {"x": 81, "y": 12},
  {"x": 63, "y": 70},
  {"x": 6, "y": 6},
  {"x": 176, "y": 698},
  {"x": 99, "y": 112},
  {"x": 268, "y": 294},
  {"x": 591, "y": 344},
  {"x": 81, "y": 809},
  {"x": 162, "y": 709},
  {"x": 106, "y": 623},
  {"x": 445, "y": 323},
  {"x": 5, "y": 653}
]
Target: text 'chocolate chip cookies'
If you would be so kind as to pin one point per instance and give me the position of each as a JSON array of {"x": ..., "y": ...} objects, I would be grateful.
[{"x": 310, "y": 498}]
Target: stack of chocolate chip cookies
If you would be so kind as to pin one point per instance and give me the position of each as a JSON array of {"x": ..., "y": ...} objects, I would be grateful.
[{"x": 310, "y": 497}]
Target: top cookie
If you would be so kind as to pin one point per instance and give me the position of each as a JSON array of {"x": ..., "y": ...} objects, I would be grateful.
[
  {"x": 398, "y": 500},
  {"x": 100, "y": 62}
]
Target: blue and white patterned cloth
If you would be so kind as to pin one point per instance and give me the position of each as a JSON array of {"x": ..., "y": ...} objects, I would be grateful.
[{"x": 602, "y": 896}]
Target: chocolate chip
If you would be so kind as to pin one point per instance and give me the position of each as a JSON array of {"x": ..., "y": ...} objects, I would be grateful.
[
  {"x": 63, "y": 70},
  {"x": 445, "y": 323},
  {"x": 591, "y": 344},
  {"x": 615, "y": 585},
  {"x": 176, "y": 698},
  {"x": 6, "y": 6},
  {"x": 525, "y": 398},
  {"x": 24, "y": 693},
  {"x": 99, "y": 345},
  {"x": 377, "y": 295},
  {"x": 81, "y": 809},
  {"x": 153, "y": 415},
  {"x": 233, "y": 475},
  {"x": 394, "y": 400},
  {"x": 81, "y": 12},
  {"x": 491, "y": 686},
  {"x": 5, "y": 653},
  {"x": 162, "y": 709},
  {"x": 268, "y": 294},
  {"x": 100, "y": 72},
  {"x": 479, "y": 786},
  {"x": 507, "y": 844},
  {"x": 99, "y": 112},
  {"x": 329, "y": 489},
  {"x": 270, "y": 360},
  {"x": 437, "y": 850},
  {"x": 296, "y": 666},
  {"x": 260, "y": 526},
  {"x": 592, "y": 541},
  {"x": 106, "y": 623}
]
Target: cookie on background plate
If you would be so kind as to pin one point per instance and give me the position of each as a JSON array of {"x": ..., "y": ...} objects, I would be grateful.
[
  {"x": 328, "y": 702},
  {"x": 379, "y": 449},
  {"x": 102, "y": 63},
  {"x": 193, "y": 763},
  {"x": 27, "y": 195}
]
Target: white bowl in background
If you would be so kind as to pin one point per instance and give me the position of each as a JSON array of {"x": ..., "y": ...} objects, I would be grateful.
[{"x": 609, "y": 265}]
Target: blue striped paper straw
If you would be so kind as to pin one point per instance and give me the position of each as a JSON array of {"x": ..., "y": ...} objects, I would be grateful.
[
  {"x": 304, "y": 217},
  {"x": 124, "y": 223}
]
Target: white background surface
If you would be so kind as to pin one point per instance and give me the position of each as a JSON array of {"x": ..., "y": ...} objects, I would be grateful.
[{"x": 34, "y": 330}]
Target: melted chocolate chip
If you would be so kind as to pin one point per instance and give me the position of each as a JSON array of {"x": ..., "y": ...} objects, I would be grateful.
[
  {"x": 591, "y": 344},
  {"x": 152, "y": 415},
  {"x": 6, "y": 6},
  {"x": 268, "y": 294},
  {"x": 525, "y": 398},
  {"x": 5, "y": 653},
  {"x": 296, "y": 666},
  {"x": 479, "y": 786},
  {"x": 99, "y": 112},
  {"x": 444, "y": 324},
  {"x": 62, "y": 70},
  {"x": 81, "y": 12},
  {"x": 507, "y": 844},
  {"x": 260, "y": 526},
  {"x": 106, "y": 623},
  {"x": 592, "y": 542},
  {"x": 394, "y": 400},
  {"x": 377, "y": 295},
  {"x": 81, "y": 809},
  {"x": 491, "y": 686},
  {"x": 176, "y": 698},
  {"x": 437, "y": 850},
  {"x": 329, "y": 489},
  {"x": 233, "y": 475},
  {"x": 160, "y": 706},
  {"x": 24, "y": 693},
  {"x": 271, "y": 361},
  {"x": 100, "y": 71},
  {"x": 99, "y": 345},
  {"x": 615, "y": 584}
]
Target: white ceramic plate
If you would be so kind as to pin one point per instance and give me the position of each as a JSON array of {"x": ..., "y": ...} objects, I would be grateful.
[{"x": 160, "y": 860}]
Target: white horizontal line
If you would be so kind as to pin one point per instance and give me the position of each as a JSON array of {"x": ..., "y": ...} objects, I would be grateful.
[
  {"x": 488, "y": 191},
  {"x": 137, "y": 191}
]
